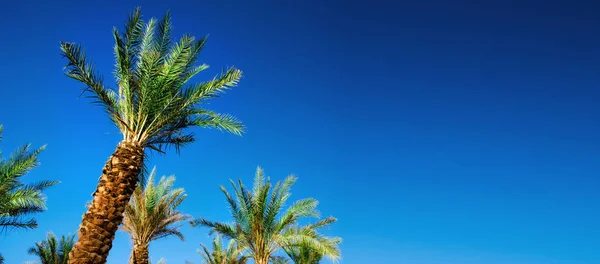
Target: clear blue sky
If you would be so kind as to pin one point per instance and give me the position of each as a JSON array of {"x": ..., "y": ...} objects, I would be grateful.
[{"x": 460, "y": 133}]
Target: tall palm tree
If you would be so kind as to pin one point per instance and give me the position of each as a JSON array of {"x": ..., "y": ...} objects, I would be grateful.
[
  {"x": 259, "y": 225},
  {"x": 17, "y": 200},
  {"x": 153, "y": 106},
  {"x": 223, "y": 255},
  {"x": 302, "y": 253},
  {"x": 53, "y": 251},
  {"x": 152, "y": 214}
]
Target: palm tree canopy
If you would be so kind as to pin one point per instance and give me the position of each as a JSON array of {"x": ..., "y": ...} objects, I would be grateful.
[
  {"x": 222, "y": 255},
  {"x": 151, "y": 213},
  {"x": 17, "y": 199},
  {"x": 154, "y": 102},
  {"x": 53, "y": 251},
  {"x": 259, "y": 224},
  {"x": 280, "y": 260},
  {"x": 308, "y": 252}
]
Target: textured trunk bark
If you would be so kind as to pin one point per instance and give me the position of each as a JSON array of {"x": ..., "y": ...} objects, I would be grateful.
[
  {"x": 139, "y": 254},
  {"x": 105, "y": 214}
]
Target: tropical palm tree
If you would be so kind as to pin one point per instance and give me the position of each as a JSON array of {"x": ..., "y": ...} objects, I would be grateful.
[
  {"x": 1, "y": 259},
  {"x": 153, "y": 106},
  {"x": 152, "y": 214},
  {"x": 17, "y": 200},
  {"x": 259, "y": 226},
  {"x": 223, "y": 255},
  {"x": 53, "y": 251},
  {"x": 280, "y": 260},
  {"x": 302, "y": 253}
]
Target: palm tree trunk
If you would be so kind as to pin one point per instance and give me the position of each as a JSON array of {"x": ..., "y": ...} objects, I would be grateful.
[
  {"x": 105, "y": 214},
  {"x": 139, "y": 254},
  {"x": 262, "y": 260}
]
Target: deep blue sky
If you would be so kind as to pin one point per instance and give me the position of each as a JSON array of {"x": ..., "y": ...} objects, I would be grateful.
[{"x": 437, "y": 133}]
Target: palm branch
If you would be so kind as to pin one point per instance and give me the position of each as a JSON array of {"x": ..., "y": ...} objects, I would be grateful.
[
  {"x": 231, "y": 254},
  {"x": 19, "y": 200},
  {"x": 311, "y": 248}
]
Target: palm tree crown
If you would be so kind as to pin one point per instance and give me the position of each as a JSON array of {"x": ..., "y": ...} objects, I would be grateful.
[
  {"x": 306, "y": 253},
  {"x": 17, "y": 199},
  {"x": 151, "y": 214},
  {"x": 259, "y": 225},
  {"x": 222, "y": 255},
  {"x": 53, "y": 251},
  {"x": 154, "y": 102}
]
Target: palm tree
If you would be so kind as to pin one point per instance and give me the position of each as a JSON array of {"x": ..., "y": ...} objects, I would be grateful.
[
  {"x": 17, "y": 200},
  {"x": 280, "y": 260},
  {"x": 53, "y": 251},
  {"x": 153, "y": 106},
  {"x": 221, "y": 255},
  {"x": 1, "y": 259},
  {"x": 302, "y": 253},
  {"x": 151, "y": 214},
  {"x": 259, "y": 226}
]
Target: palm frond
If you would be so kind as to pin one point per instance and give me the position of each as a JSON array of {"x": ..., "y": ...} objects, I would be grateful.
[
  {"x": 16, "y": 198},
  {"x": 232, "y": 254},
  {"x": 8, "y": 223},
  {"x": 304, "y": 245}
]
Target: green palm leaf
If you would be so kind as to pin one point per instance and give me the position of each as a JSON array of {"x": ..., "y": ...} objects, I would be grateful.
[
  {"x": 232, "y": 254},
  {"x": 306, "y": 246},
  {"x": 18, "y": 200}
]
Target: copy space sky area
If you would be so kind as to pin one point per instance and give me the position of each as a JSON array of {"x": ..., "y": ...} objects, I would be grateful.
[{"x": 458, "y": 132}]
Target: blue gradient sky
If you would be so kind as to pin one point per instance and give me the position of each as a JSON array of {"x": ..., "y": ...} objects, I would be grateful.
[{"x": 437, "y": 133}]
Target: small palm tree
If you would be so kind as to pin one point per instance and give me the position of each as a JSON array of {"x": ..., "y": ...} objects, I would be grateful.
[
  {"x": 53, "y": 251},
  {"x": 312, "y": 253},
  {"x": 17, "y": 200},
  {"x": 221, "y": 255},
  {"x": 259, "y": 226},
  {"x": 1, "y": 259},
  {"x": 153, "y": 107},
  {"x": 152, "y": 214}
]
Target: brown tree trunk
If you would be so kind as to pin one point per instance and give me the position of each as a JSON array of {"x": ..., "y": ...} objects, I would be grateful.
[
  {"x": 105, "y": 214},
  {"x": 139, "y": 254}
]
